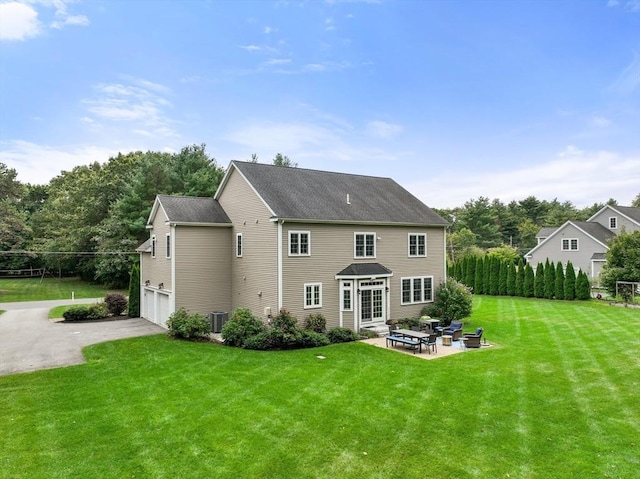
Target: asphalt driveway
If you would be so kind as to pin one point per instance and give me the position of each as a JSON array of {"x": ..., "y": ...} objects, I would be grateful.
[{"x": 29, "y": 341}]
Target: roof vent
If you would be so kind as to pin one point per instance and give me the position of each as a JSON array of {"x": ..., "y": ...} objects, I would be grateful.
[{"x": 348, "y": 199}]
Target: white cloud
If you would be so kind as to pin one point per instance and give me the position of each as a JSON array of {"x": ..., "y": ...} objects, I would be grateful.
[
  {"x": 27, "y": 159},
  {"x": 18, "y": 21},
  {"x": 76, "y": 20},
  {"x": 584, "y": 178},
  {"x": 382, "y": 129}
]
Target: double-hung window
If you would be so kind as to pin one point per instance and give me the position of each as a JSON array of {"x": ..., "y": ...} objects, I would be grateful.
[
  {"x": 153, "y": 246},
  {"x": 299, "y": 243},
  {"x": 347, "y": 296},
  {"x": 417, "y": 245},
  {"x": 364, "y": 245},
  {"x": 168, "y": 245},
  {"x": 418, "y": 289},
  {"x": 312, "y": 295},
  {"x": 239, "y": 245},
  {"x": 613, "y": 223},
  {"x": 569, "y": 244}
]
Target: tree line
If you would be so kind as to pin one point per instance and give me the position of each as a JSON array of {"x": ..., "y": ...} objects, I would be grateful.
[{"x": 89, "y": 221}]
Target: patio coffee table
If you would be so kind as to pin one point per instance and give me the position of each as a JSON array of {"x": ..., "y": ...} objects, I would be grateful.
[{"x": 446, "y": 339}]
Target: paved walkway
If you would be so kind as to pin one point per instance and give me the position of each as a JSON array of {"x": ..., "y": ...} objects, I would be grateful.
[{"x": 29, "y": 341}]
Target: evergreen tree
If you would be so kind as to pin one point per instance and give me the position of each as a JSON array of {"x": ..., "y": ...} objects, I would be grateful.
[
  {"x": 494, "y": 279},
  {"x": 583, "y": 287},
  {"x": 520, "y": 278},
  {"x": 570, "y": 282},
  {"x": 470, "y": 271},
  {"x": 487, "y": 275},
  {"x": 538, "y": 282},
  {"x": 527, "y": 285},
  {"x": 502, "y": 284},
  {"x": 134, "y": 292},
  {"x": 511, "y": 278},
  {"x": 478, "y": 284},
  {"x": 549, "y": 279},
  {"x": 559, "y": 285}
]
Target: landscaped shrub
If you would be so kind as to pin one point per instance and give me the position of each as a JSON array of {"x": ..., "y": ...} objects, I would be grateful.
[
  {"x": 341, "y": 335},
  {"x": 452, "y": 303},
  {"x": 583, "y": 287},
  {"x": 315, "y": 322},
  {"x": 313, "y": 339},
  {"x": 559, "y": 282},
  {"x": 570, "y": 282},
  {"x": 134, "y": 292},
  {"x": 183, "y": 325},
  {"x": 242, "y": 325},
  {"x": 116, "y": 303},
  {"x": 86, "y": 312}
]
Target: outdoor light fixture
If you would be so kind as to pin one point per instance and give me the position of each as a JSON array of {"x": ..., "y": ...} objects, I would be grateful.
[
  {"x": 161, "y": 285},
  {"x": 147, "y": 283}
]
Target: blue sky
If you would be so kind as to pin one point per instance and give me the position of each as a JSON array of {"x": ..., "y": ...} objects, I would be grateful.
[{"x": 454, "y": 100}]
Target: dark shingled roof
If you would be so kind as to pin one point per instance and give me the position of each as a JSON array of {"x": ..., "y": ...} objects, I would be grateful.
[
  {"x": 599, "y": 256},
  {"x": 144, "y": 247},
  {"x": 630, "y": 211},
  {"x": 596, "y": 230},
  {"x": 193, "y": 209},
  {"x": 302, "y": 194},
  {"x": 546, "y": 231},
  {"x": 365, "y": 269}
]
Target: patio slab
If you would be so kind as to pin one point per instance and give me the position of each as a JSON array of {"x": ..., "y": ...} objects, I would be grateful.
[{"x": 443, "y": 351}]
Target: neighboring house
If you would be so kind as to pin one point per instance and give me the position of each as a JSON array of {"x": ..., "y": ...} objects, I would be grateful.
[
  {"x": 357, "y": 249},
  {"x": 584, "y": 243}
]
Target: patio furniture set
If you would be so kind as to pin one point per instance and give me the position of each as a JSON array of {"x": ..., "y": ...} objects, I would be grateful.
[{"x": 427, "y": 337}]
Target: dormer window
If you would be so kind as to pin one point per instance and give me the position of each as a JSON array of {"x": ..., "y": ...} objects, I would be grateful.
[{"x": 613, "y": 223}]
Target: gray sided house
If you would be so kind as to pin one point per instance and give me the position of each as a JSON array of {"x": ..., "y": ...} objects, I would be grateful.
[
  {"x": 584, "y": 243},
  {"x": 357, "y": 249}
]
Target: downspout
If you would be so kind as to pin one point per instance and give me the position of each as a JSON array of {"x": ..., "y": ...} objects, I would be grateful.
[
  {"x": 444, "y": 249},
  {"x": 172, "y": 239},
  {"x": 280, "y": 305}
]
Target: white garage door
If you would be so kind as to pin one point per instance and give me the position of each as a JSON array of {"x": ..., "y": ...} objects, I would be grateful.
[
  {"x": 156, "y": 307},
  {"x": 163, "y": 309}
]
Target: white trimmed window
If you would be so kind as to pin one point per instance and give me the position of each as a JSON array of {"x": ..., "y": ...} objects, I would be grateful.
[
  {"x": 364, "y": 245},
  {"x": 312, "y": 295},
  {"x": 299, "y": 244},
  {"x": 239, "y": 245},
  {"x": 417, "y": 289},
  {"x": 168, "y": 245},
  {"x": 613, "y": 223},
  {"x": 153, "y": 246},
  {"x": 347, "y": 296},
  {"x": 569, "y": 244},
  {"x": 417, "y": 245}
]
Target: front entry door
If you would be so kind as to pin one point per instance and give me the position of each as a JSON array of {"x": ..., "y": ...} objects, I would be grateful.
[{"x": 372, "y": 301}]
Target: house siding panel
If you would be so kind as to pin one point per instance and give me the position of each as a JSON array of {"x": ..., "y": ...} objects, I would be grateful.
[
  {"x": 623, "y": 222},
  {"x": 158, "y": 269},
  {"x": 332, "y": 251},
  {"x": 254, "y": 275},
  {"x": 203, "y": 268}
]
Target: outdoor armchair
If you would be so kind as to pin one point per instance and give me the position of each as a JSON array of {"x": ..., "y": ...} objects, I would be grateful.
[
  {"x": 472, "y": 340},
  {"x": 454, "y": 330}
]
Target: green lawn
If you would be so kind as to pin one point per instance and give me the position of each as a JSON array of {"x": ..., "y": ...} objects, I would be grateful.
[
  {"x": 28, "y": 289},
  {"x": 556, "y": 397}
]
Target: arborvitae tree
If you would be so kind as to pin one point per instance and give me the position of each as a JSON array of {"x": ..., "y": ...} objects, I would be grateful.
[
  {"x": 502, "y": 284},
  {"x": 583, "y": 287},
  {"x": 527, "y": 285},
  {"x": 570, "y": 282},
  {"x": 511, "y": 278},
  {"x": 520, "y": 278},
  {"x": 549, "y": 279},
  {"x": 458, "y": 270},
  {"x": 470, "y": 271},
  {"x": 494, "y": 279},
  {"x": 559, "y": 285},
  {"x": 486, "y": 280},
  {"x": 478, "y": 283},
  {"x": 134, "y": 292},
  {"x": 538, "y": 282}
]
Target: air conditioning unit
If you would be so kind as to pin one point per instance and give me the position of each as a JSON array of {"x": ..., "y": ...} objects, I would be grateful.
[{"x": 218, "y": 318}]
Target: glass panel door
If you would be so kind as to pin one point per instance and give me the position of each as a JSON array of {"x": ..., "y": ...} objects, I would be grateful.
[{"x": 365, "y": 305}]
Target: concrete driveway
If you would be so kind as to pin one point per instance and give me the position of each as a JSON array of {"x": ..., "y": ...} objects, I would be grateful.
[{"x": 30, "y": 342}]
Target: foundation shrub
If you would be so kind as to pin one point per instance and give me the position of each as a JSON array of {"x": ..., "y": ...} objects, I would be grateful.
[
  {"x": 341, "y": 335},
  {"x": 183, "y": 325},
  {"x": 242, "y": 326},
  {"x": 315, "y": 322}
]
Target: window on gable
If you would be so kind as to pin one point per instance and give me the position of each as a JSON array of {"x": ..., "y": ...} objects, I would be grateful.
[
  {"x": 569, "y": 244},
  {"x": 168, "y": 245},
  {"x": 364, "y": 245},
  {"x": 299, "y": 243},
  {"x": 153, "y": 246},
  {"x": 613, "y": 222},
  {"x": 418, "y": 289},
  {"x": 417, "y": 245},
  {"x": 312, "y": 295},
  {"x": 239, "y": 245}
]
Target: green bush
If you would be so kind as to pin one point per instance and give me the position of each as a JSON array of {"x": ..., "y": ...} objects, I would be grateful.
[
  {"x": 313, "y": 339},
  {"x": 341, "y": 335},
  {"x": 315, "y": 322},
  {"x": 183, "y": 325},
  {"x": 116, "y": 303},
  {"x": 86, "y": 312},
  {"x": 242, "y": 325},
  {"x": 134, "y": 292},
  {"x": 452, "y": 303}
]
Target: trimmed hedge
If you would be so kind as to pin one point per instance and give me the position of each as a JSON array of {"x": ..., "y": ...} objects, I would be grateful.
[{"x": 86, "y": 312}]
